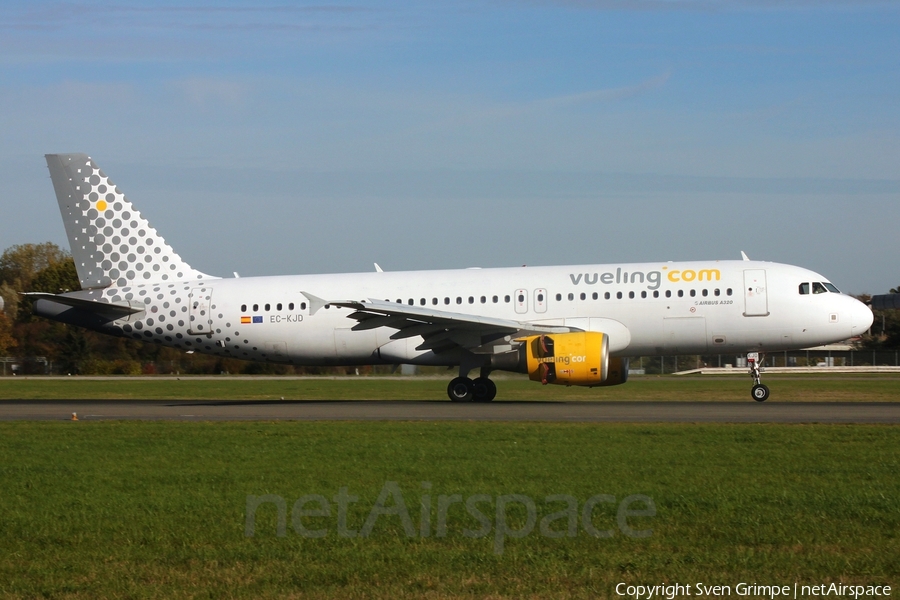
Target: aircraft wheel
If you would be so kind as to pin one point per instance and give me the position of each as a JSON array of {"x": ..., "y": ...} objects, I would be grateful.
[
  {"x": 461, "y": 389},
  {"x": 485, "y": 389},
  {"x": 760, "y": 393}
]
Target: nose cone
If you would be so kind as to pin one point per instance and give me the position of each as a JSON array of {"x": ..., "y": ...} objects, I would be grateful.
[{"x": 861, "y": 318}]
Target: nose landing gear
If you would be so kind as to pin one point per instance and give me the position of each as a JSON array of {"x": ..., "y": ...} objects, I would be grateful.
[{"x": 759, "y": 391}]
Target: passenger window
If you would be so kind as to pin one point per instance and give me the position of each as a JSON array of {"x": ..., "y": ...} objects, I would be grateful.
[
  {"x": 434, "y": 301},
  {"x": 571, "y": 296},
  {"x": 619, "y": 295},
  {"x": 495, "y": 299},
  {"x": 422, "y": 301},
  {"x": 681, "y": 293},
  {"x": 643, "y": 294},
  {"x": 521, "y": 298},
  {"x": 728, "y": 292},
  {"x": 583, "y": 296},
  {"x": 458, "y": 300},
  {"x": 303, "y": 306},
  {"x": 411, "y": 301},
  {"x": 506, "y": 298},
  {"x": 631, "y": 295},
  {"x": 399, "y": 301},
  {"x": 705, "y": 293},
  {"x": 558, "y": 297},
  {"x": 818, "y": 288},
  {"x": 243, "y": 308},
  {"x": 804, "y": 289},
  {"x": 291, "y": 305},
  {"x": 716, "y": 292},
  {"x": 656, "y": 294},
  {"x": 471, "y": 300},
  {"x": 278, "y": 306},
  {"x": 668, "y": 293},
  {"x": 446, "y": 300},
  {"x": 594, "y": 296},
  {"x": 606, "y": 296},
  {"x": 540, "y": 297},
  {"x": 256, "y": 308},
  {"x": 693, "y": 293},
  {"x": 483, "y": 299}
]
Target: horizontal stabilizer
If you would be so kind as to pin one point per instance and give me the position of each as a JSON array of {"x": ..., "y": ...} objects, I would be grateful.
[{"x": 105, "y": 308}]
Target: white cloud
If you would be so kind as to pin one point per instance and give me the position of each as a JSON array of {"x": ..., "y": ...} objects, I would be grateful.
[{"x": 604, "y": 95}]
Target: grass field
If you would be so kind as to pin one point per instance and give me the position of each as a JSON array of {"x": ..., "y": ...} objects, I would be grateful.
[
  {"x": 158, "y": 510},
  {"x": 785, "y": 388}
]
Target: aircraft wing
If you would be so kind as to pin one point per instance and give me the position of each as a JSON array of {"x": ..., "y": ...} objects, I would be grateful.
[{"x": 441, "y": 330}]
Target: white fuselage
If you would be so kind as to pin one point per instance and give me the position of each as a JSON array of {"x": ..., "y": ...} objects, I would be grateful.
[{"x": 720, "y": 307}]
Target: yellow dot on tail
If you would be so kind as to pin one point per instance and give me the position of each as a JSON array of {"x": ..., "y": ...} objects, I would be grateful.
[{"x": 101, "y": 205}]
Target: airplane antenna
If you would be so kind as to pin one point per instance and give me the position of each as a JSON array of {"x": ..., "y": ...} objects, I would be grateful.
[
  {"x": 378, "y": 269},
  {"x": 744, "y": 256}
]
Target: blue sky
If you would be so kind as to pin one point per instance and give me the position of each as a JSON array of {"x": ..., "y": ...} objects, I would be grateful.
[{"x": 294, "y": 138}]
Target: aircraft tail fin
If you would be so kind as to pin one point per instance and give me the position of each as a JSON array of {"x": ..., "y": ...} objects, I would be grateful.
[{"x": 112, "y": 243}]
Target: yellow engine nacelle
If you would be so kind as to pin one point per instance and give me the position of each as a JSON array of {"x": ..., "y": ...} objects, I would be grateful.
[{"x": 578, "y": 358}]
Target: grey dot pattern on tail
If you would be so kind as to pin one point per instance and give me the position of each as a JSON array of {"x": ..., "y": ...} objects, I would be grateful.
[{"x": 122, "y": 246}]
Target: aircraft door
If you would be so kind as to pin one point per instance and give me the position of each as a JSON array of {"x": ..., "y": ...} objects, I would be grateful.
[
  {"x": 540, "y": 300},
  {"x": 756, "y": 300},
  {"x": 200, "y": 313},
  {"x": 521, "y": 301}
]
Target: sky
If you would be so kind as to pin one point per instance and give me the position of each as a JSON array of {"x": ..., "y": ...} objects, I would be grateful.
[{"x": 311, "y": 138}]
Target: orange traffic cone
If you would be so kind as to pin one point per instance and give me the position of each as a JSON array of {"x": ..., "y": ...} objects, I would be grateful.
[{"x": 74, "y": 416}]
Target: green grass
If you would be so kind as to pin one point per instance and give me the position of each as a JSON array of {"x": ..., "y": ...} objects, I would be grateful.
[
  {"x": 790, "y": 388},
  {"x": 157, "y": 510}
]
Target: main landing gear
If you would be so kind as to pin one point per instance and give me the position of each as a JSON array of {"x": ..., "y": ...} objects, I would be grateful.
[
  {"x": 759, "y": 391},
  {"x": 480, "y": 389}
]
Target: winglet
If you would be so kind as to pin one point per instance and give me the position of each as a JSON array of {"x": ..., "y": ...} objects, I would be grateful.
[
  {"x": 315, "y": 303},
  {"x": 744, "y": 256}
]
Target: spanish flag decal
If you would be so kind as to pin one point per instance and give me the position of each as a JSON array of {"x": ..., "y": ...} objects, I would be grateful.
[{"x": 245, "y": 319}]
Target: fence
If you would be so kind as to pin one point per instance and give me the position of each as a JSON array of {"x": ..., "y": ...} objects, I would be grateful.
[{"x": 655, "y": 365}]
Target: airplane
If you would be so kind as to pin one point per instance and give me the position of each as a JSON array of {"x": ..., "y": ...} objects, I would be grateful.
[{"x": 563, "y": 325}]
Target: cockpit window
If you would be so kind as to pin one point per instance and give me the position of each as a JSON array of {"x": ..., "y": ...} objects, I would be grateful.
[
  {"x": 818, "y": 288},
  {"x": 830, "y": 287},
  {"x": 804, "y": 288}
]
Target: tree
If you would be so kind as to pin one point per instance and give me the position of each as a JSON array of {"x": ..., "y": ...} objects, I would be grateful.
[
  {"x": 10, "y": 299},
  {"x": 885, "y": 331},
  {"x": 57, "y": 278},
  {"x": 20, "y": 264},
  {"x": 74, "y": 352},
  {"x": 7, "y": 341}
]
